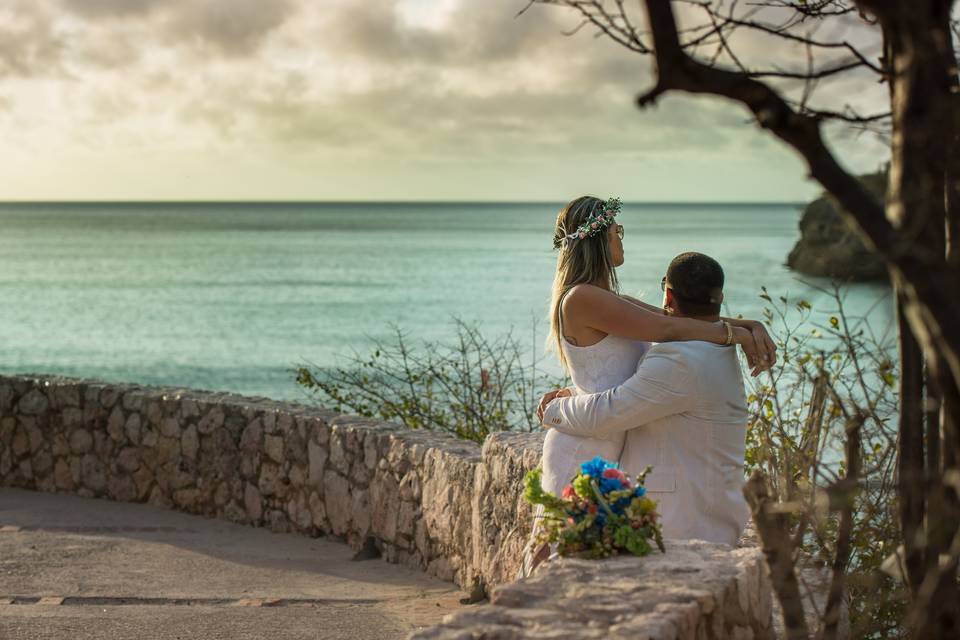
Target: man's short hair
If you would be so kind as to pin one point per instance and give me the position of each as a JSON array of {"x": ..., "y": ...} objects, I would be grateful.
[{"x": 697, "y": 284}]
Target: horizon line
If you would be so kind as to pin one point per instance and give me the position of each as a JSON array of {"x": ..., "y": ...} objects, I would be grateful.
[{"x": 478, "y": 202}]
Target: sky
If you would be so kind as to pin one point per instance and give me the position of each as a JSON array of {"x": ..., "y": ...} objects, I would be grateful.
[{"x": 373, "y": 100}]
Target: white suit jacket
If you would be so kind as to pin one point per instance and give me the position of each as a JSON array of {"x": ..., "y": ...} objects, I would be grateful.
[{"x": 685, "y": 414}]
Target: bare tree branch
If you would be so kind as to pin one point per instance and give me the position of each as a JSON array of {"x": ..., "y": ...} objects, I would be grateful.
[
  {"x": 847, "y": 490},
  {"x": 779, "y": 554}
]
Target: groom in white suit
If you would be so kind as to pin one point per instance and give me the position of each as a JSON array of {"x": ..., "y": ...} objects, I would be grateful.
[{"x": 684, "y": 413}]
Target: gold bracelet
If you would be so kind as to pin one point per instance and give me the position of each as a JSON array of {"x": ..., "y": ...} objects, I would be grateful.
[{"x": 729, "y": 333}]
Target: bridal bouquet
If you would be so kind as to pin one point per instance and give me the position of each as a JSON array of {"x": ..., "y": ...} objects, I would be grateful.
[{"x": 600, "y": 513}]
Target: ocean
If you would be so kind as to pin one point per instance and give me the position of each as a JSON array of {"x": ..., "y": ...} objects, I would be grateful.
[{"x": 233, "y": 297}]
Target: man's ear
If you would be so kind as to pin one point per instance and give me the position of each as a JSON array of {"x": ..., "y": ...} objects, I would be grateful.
[{"x": 668, "y": 301}]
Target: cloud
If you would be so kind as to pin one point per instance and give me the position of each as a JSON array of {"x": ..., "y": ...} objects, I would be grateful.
[
  {"x": 30, "y": 44},
  {"x": 99, "y": 9},
  {"x": 418, "y": 80},
  {"x": 233, "y": 27}
]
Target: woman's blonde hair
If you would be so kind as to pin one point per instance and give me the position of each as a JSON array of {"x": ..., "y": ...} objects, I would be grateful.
[{"x": 581, "y": 261}]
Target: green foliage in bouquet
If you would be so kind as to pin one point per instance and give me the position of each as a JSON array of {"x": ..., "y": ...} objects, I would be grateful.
[{"x": 599, "y": 514}]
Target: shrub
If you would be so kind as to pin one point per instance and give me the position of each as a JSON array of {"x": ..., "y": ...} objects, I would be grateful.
[
  {"x": 470, "y": 387},
  {"x": 833, "y": 394}
]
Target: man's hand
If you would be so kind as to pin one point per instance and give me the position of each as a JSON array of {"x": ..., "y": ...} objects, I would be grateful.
[{"x": 548, "y": 397}]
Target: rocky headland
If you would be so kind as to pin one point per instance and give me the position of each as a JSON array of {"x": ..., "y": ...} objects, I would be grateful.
[{"x": 829, "y": 248}]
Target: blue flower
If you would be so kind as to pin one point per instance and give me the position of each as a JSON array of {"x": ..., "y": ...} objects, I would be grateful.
[
  {"x": 640, "y": 492},
  {"x": 609, "y": 484},
  {"x": 620, "y": 505},
  {"x": 595, "y": 468}
]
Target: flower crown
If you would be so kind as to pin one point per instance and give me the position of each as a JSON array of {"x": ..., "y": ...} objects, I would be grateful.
[{"x": 594, "y": 224}]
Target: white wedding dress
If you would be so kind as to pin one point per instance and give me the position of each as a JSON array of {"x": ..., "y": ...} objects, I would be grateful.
[{"x": 593, "y": 368}]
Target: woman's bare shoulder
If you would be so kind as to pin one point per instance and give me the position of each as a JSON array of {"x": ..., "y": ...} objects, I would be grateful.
[{"x": 584, "y": 296}]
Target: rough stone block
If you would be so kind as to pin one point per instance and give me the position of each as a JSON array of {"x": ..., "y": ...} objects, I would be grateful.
[
  {"x": 154, "y": 414},
  {"x": 338, "y": 454},
  {"x": 21, "y": 442},
  {"x": 132, "y": 428},
  {"x": 159, "y": 499},
  {"x": 273, "y": 447},
  {"x": 317, "y": 461},
  {"x": 109, "y": 397},
  {"x": 6, "y": 462},
  {"x": 294, "y": 448},
  {"x": 33, "y": 403},
  {"x": 278, "y": 521},
  {"x": 115, "y": 424},
  {"x": 7, "y": 427},
  {"x": 66, "y": 395},
  {"x": 133, "y": 401},
  {"x": 122, "y": 488},
  {"x": 270, "y": 482},
  {"x": 250, "y": 439},
  {"x": 190, "y": 443},
  {"x": 62, "y": 476},
  {"x": 407, "y": 519},
  {"x": 298, "y": 476},
  {"x": 129, "y": 459},
  {"x": 318, "y": 512},
  {"x": 42, "y": 463},
  {"x": 384, "y": 507},
  {"x": 72, "y": 417},
  {"x": 93, "y": 473},
  {"x": 360, "y": 499},
  {"x": 212, "y": 421},
  {"x": 222, "y": 494},
  {"x": 298, "y": 512},
  {"x": 189, "y": 408},
  {"x": 143, "y": 478},
  {"x": 6, "y": 398},
  {"x": 187, "y": 499},
  {"x": 410, "y": 486},
  {"x": 252, "y": 502},
  {"x": 336, "y": 492},
  {"x": 170, "y": 427},
  {"x": 168, "y": 449}
]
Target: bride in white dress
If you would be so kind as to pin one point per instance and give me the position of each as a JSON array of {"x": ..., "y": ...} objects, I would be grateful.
[{"x": 600, "y": 336}]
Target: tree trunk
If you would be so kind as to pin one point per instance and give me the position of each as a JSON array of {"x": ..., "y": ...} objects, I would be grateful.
[
  {"x": 910, "y": 469},
  {"x": 920, "y": 201}
]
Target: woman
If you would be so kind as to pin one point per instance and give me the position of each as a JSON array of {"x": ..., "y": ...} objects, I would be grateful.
[{"x": 600, "y": 335}]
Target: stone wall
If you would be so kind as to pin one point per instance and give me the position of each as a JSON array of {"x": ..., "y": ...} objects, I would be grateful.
[
  {"x": 697, "y": 590},
  {"x": 426, "y": 500}
]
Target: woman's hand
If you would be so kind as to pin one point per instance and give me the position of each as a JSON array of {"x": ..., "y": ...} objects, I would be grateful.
[
  {"x": 765, "y": 344},
  {"x": 548, "y": 397},
  {"x": 748, "y": 344}
]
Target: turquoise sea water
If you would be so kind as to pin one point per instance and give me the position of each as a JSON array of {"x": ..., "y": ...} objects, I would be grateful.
[{"x": 233, "y": 296}]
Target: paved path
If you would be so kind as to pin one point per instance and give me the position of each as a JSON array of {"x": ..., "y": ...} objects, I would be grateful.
[{"x": 79, "y": 568}]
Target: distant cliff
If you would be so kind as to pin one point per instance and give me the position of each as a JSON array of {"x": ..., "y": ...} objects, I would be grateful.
[{"x": 829, "y": 248}]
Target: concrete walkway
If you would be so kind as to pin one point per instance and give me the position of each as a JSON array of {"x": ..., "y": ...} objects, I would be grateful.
[{"x": 79, "y": 568}]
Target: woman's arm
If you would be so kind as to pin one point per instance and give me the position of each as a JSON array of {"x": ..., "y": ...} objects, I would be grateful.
[
  {"x": 604, "y": 311},
  {"x": 764, "y": 342}
]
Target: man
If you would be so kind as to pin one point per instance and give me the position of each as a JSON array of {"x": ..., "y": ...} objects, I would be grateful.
[{"x": 684, "y": 413}]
